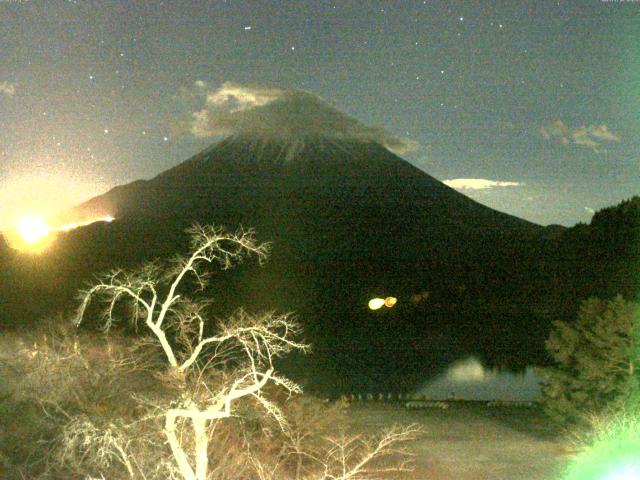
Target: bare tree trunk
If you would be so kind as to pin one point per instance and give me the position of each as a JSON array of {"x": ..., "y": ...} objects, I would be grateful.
[
  {"x": 202, "y": 442},
  {"x": 176, "y": 448}
]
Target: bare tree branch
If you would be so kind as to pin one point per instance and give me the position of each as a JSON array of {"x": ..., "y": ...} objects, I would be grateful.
[
  {"x": 181, "y": 326},
  {"x": 355, "y": 457},
  {"x": 261, "y": 338}
]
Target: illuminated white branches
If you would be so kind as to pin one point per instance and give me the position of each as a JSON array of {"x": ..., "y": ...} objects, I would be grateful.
[
  {"x": 242, "y": 347},
  {"x": 255, "y": 339},
  {"x": 355, "y": 457},
  {"x": 142, "y": 288}
]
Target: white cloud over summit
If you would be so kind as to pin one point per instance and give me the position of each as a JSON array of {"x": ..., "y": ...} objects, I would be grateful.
[
  {"x": 478, "y": 183},
  {"x": 284, "y": 114}
]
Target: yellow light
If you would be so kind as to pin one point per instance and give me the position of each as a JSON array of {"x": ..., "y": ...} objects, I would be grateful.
[
  {"x": 390, "y": 301},
  {"x": 376, "y": 303},
  {"x": 72, "y": 226},
  {"x": 32, "y": 229},
  {"x": 32, "y": 234}
]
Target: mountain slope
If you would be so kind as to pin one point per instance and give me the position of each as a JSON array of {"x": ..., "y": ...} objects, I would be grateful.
[
  {"x": 348, "y": 220},
  {"x": 256, "y": 169}
]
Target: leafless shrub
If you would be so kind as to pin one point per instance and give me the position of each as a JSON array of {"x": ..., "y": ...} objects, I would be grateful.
[{"x": 359, "y": 457}]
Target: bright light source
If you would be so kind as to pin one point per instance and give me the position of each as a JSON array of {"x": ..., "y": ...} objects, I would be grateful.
[
  {"x": 626, "y": 472},
  {"x": 33, "y": 235},
  {"x": 614, "y": 451},
  {"x": 376, "y": 303},
  {"x": 32, "y": 229},
  {"x": 390, "y": 301}
]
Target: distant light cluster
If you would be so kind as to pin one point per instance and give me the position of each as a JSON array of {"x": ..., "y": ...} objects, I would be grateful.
[{"x": 378, "y": 303}]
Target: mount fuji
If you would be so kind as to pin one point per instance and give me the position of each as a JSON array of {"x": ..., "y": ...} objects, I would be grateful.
[{"x": 348, "y": 220}]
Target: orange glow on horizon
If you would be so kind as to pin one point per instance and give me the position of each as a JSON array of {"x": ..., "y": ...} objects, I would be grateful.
[{"x": 32, "y": 234}]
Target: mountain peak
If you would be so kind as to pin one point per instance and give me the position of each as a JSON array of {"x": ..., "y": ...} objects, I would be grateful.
[{"x": 289, "y": 116}]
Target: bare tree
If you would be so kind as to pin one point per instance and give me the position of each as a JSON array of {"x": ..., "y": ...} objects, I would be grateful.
[
  {"x": 261, "y": 338},
  {"x": 352, "y": 457},
  {"x": 154, "y": 297}
]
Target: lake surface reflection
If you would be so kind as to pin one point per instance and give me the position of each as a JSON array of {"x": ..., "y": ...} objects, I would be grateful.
[{"x": 468, "y": 379}]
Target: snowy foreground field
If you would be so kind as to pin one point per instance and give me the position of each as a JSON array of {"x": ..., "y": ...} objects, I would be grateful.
[{"x": 471, "y": 441}]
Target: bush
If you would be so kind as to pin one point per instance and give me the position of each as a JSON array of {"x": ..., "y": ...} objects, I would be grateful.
[
  {"x": 53, "y": 378},
  {"x": 108, "y": 420},
  {"x": 597, "y": 361}
]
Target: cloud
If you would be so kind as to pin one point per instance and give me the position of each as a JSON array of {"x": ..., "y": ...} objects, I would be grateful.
[
  {"x": 478, "y": 183},
  {"x": 592, "y": 136},
  {"x": 238, "y": 98},
  {"x": 602, "y": 132},
  {"x": 283, "y": 114},
  {"x": 8, "y": 89}
]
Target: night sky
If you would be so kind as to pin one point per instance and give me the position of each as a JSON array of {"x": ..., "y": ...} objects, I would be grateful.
[{"x": 537, "y": 102}]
